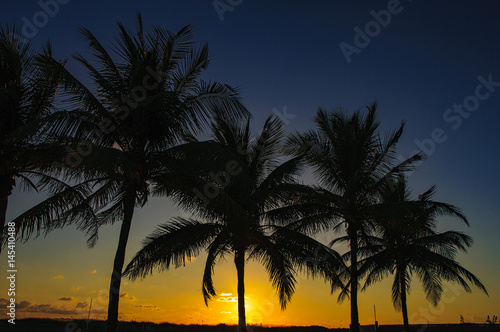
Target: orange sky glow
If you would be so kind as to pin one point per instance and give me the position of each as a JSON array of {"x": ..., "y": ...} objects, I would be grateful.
[{"x": 55, "y": 283}]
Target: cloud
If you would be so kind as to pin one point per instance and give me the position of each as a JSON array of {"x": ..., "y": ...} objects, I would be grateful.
[
  {"x": 226, "y": 312},
  {"x": 226, "y": 294},
  {"x": 19, "y": 306},
  {"x": 100, "y": 294},
  {"x": 126, "y": 296},
  {"x": 228, "y": 299},
  {"x": 82, "y": 305},
  {"x": 93, "y": 271},
  {"x": 223, "y": 298},
  {"x": 24, "y": 305},
  {"x": 66, "y": 299},
  {"x": 27, "y": 307},
  {"x": 148, "y": 307},
  {"x": 76, "y": 288},
  {"x": 60, "y": 276}
]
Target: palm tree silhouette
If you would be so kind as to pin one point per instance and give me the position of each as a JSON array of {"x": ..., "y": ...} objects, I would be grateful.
[
  {"x": 238, "y": 218},
  {"x": 408, "y": 244},
  {"x": 351, "y": 162},
  {"x": 122, "y": 135},
  {"x": 27, "y": 96}
]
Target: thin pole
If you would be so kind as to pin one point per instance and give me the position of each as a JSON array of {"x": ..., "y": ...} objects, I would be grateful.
[
  {"x": 88, "y": 317},
  {"x": 375, "y": 312},
  {"x": 91, "y": 308}
]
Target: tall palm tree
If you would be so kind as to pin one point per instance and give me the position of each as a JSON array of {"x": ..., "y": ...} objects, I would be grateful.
[
  {"x": 27, "y": 96},
  {"x": 408, "y": 243},
  {"x": 249, "y": 180},
  {"x": 122, "y": 134},
  {"x": 351, "y": 163}
]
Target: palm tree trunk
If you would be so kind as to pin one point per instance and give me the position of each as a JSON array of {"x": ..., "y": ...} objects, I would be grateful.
[
  {"x": 4, "y": 201},
  {"x": 116, "y": 276},
  {"x": 402, "y": 281},
  {"x": 239, "y": 261},
  {"x": 354, "y": 281}
]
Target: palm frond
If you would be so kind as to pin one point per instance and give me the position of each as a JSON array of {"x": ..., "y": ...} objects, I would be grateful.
[
  {"x": 280, "y": 269},
  {"x": 57, "y": 211},
  {"x": 171, "y": 244},
  {"x": 216, "y": 250}
]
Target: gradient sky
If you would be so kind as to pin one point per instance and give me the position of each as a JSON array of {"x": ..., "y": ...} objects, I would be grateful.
[{"x": 286, "y": 58}]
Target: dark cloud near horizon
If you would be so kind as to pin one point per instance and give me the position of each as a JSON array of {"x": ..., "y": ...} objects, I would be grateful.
[
  {"x": 31, "y": 307},
  {"x": 127, "y": 296},
  {"x": 82, "y": 305},
  {"x": 70, "y": 298}
]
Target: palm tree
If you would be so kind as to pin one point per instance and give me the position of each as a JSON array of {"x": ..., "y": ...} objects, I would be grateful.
[
  {"x": 351, "y": 162},
  {"x": 408, "y": 244},
  {"x": 27, "y": 96},
  {"x": 234, "y": 219},
  {"x": 123, "y": 134}
]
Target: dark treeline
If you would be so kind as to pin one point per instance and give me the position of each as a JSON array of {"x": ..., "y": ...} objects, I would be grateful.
[{"x": 46, "y": 325}]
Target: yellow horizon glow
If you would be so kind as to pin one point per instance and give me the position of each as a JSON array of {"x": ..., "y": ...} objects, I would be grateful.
[
  {"x": 174, "y": 296},
  {"x": 159, "y": 299}
]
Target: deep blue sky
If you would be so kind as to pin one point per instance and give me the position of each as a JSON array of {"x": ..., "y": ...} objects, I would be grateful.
[{"x": 286, "y": 54}]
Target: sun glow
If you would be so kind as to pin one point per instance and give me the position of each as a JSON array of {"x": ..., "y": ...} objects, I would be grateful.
[{"x": 229, "y": 311}]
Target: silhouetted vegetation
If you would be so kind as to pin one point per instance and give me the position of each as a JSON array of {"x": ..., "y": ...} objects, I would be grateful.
[
  {"x": 246, "y": 214},
  {"x": 352, "y": 163},
  {"x": 406, "y": 243},
  {"x": 136, "y": 133},
  {"x": 128, "y": 125},
  {"x": 48, "y": 325}
]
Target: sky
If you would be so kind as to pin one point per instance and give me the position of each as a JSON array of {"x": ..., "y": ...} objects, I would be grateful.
[{"x": 432, "y": 64}]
